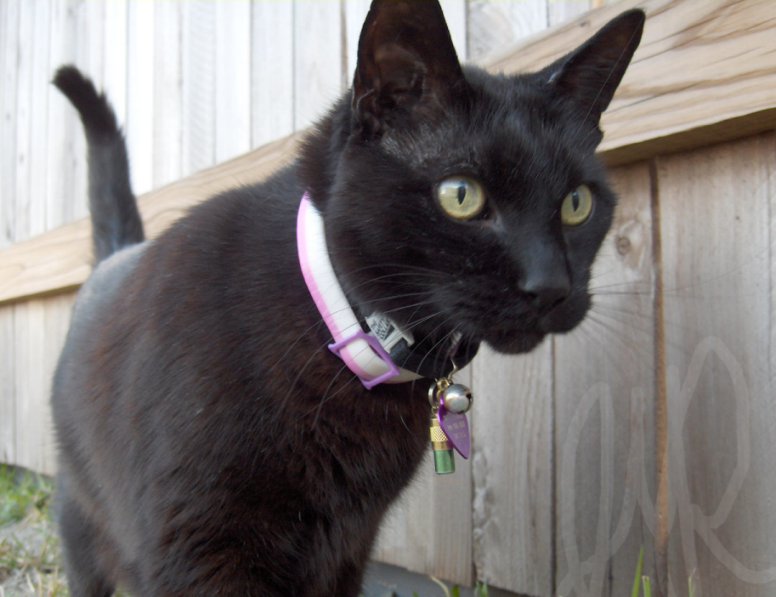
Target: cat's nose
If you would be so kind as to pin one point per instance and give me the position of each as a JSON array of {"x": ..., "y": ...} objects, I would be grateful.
[{"x": 546, "y": 288}]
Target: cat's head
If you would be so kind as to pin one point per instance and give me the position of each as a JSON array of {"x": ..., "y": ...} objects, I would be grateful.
[{"x": 461, "y": 201}]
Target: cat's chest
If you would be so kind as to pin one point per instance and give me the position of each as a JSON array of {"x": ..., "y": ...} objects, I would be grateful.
[{"x": 368, "y": 446}]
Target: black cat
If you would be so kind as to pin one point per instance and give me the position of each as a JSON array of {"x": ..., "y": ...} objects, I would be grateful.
[{"x": 209, "y": 442}]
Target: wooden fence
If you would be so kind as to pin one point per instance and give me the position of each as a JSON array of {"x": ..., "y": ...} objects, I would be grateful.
[{"x": 652, "y": 426}]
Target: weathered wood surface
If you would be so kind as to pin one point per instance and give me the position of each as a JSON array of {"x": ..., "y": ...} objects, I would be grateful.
[
  {"x": 538, "y": 509},
  {"x": 699, "y": 34},
  {"x": 702, "y": 74},
  {"x": 603, "y": 443},
  {"x": 717, "y": 262}
]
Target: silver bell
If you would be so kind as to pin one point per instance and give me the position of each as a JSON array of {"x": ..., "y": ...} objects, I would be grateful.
[{"x": 457, "y": 398}]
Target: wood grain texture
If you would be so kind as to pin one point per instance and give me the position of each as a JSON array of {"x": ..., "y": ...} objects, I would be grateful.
[
  {"x": 66, "y": 173},
  {"x": 716, "y": 220},
  {"x": 272, "y": 67},
  {"x": 139, "y": 125},
  {"x": 429, "y": 528},
  {"x": 355, "y": 13},
  {"x": 604, "y": 406},
  {"x": 512, "y": 434},
  {"x": 22, "y": 225},
  {"x": 456, "y": 14},
  {"x": 7, "y": 384},
  {"x": 233, "y": 79},
  {"x": 168, "y": 93},
  {"x": 318, "y": 59},
  {"x": 690, "y": 27},
  {"x": 701, "y": 74},
  {"x": 199, "y": 117},
  {"x": 10, "y": 45},
  {"x": 561, "y": 11},
  {"x": 494, "y": 24}
]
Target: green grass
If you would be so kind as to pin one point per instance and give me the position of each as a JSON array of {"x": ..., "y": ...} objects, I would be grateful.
[
  {"x": 22, "y": 495},
  {"x": 29, "y": 549}
]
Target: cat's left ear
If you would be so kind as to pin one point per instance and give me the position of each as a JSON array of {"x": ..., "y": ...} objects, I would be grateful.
[
  {"x": 406, "y": 63},
  {"x": 591, "y": 73}
]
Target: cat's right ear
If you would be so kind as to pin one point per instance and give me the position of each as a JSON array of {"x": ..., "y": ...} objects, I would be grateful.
[
  {"x": 590, "y": 74},
  {"x": 407, "y": 64}
]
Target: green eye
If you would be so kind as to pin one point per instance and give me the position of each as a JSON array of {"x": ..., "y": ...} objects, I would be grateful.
[
  {"x": 577, "y": 206},
  {"x": 461, "y": 197}
]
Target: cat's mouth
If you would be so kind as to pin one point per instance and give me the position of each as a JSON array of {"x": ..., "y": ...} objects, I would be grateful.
[{"x": 514, "y": 341}]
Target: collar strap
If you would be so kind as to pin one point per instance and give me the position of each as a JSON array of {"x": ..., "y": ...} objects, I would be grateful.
[{"x": 365, "y": 354}]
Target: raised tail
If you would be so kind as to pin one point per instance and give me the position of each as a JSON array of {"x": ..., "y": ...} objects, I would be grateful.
[{"x": 116, "y": 221}]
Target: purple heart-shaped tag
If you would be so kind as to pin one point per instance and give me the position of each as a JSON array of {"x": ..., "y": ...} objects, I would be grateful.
[{"x": 456, "y": 428}]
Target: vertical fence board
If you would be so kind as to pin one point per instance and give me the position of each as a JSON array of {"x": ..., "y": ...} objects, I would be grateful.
[
  {"x": 8, "y": 93},
  {"x": 455, "y": 15},
  {"x": 65, "y": 158},
  {"x": 272, "y": 71},
  {"x": 560, "y": 11},
  {"x": 89, "y": 39},
  {"x": 41, "y": 88},
  {"x": 492, "y": 24},
  {"x": 199, "y": 39},
  {"x": 318, "y": 58},
  {"x": 140, "y": 101},
  {"x": 355, "y": 14},
  {"x": 604, "y": 410},
  {"x": 714, "y": 205},
  {"x": 512, "y": 470},
  {"x": 7, "y": 383},
  {"x": 428, "y": 529},
  {"x": 31, "y": 390},
  {"x": 233, "y": 78},
  {"x": 168, "y": 132},
  {"x": 22, "y": 225},
  {"x": 115, "y": 45},
  {"x": 57, "y": 311}
]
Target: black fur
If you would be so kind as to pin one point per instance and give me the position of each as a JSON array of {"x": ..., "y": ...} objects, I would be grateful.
[
  {"x": 209, "y": 443},
  {"x": 116, "y": 222}
]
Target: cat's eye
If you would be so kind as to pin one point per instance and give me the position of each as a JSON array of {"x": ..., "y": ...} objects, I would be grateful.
[
  {"x": 461, "y": 197},
  {"x": 577, "y": 206}
]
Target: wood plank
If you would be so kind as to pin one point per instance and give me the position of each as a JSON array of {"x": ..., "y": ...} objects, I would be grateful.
[
  {"x": 494, "y": 24},
  {"x": 428, "y": 529},
  {"x": 680, "y": 18},
  {"x": 319, "y": 78},
  {"x": 66, "y": 171},
  {"x": 512, "y": 435},
  {"x": 604, "y": 378},
  {"x": 21, "y": 224},
  {"x": 139, "y": 125},
  {"x": 116, "y": 45},
  {"x": 41, "y": 88},
  {"x": 715, "y": 206},
  {"x": 355, "y": 14},
  {"x": 725, "y": 91},
  {"x": 32, "y": 391},
  {"x": 272, "y": 67},
  {"x": 455, "y": 12},
  {"x": 7, "y": 383},
  {"x": 60, "y": 259},
  {"x": 233, "y": 78},
  {"x": 561, "y": 11},
  {"x": 88, "y": 36},
  {"x": 199, "y": 39},
  {"x": 10, "y": 44},
  {"x": 168, "y": 93}
]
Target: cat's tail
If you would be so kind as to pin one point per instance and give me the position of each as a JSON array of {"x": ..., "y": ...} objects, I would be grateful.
[{"x": 116, "y": 221}]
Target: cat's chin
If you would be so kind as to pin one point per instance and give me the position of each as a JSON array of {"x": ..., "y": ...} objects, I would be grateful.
[{"x": 510, "y": 342}]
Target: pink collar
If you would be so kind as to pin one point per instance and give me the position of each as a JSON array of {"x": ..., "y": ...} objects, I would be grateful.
[{"x": 365, "y": 354}]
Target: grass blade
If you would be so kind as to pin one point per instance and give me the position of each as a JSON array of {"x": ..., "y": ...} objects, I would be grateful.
[{"x": 635, "y": 590}]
